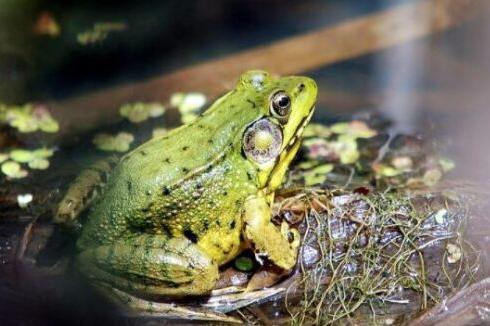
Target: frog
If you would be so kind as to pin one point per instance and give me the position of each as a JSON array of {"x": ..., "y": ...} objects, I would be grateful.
[{"x": 178, "y": 207}]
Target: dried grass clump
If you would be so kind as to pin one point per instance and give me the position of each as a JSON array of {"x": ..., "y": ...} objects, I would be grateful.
[{"x": 375, "y": 250}]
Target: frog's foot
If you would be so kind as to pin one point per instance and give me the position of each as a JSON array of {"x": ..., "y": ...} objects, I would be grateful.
[
  {"x": 280, "y": 245},
  {"x": 151, "y": 266},
  {"x": 82, "y": 191},
  {"x": 142, "y": 307}
]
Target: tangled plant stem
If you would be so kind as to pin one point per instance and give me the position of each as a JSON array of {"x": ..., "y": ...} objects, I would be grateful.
[{"x": 373, "y": 251}]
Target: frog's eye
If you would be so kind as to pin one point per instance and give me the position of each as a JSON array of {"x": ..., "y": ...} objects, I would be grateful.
[
  {"x": 262, "y": 141},
  {"x": 280, "y": 105}
]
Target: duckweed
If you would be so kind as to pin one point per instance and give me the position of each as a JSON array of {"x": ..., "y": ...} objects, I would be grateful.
[
  {"x": 189, "y": 105},
  {"x": 113, "y": 143},
  {"x": 28, "y": 118},
  {"x": 13, "y": 170},
  {"x": 140, "y": 111}
]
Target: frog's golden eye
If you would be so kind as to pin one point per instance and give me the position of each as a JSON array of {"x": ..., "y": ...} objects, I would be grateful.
[
  {"x": 280, "y": 105},
  {"x": 262, "y": 141}
]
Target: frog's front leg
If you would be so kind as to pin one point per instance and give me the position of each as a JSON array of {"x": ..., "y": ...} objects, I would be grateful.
[
  {"x": 151, "y": 265},
  {"x": 280, "y": 245}
]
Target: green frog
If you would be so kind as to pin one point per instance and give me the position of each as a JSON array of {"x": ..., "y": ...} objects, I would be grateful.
[{"x": 179, "y": 206}]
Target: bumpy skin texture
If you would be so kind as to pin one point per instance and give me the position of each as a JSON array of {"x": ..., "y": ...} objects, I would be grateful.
[{"x": 179, "y": 206}]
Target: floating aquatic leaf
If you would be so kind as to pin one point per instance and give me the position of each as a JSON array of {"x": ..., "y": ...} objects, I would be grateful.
[
  {"x": 317, "y": 175},
  {"x": 156, "y": 110},
  {"x": 188, "y": 102},
  {"x": 188, "y": 117},
  {"x": 356, "y": 129},
  {"x": 454, "y": 253},
  {"x": 43, "y": 152},
  {"x": 384, "y": 170},
  {"x": 39, "y": 164},
  {"x": 306, "y": 165},
  {"x": 22, "y": 121},
  {"x": 346, "y": 148},
  {"x": 118, "y": 143},
  {"x": 244, "y": 264},
  {"x": 13, "y": 170},
  {"x": 317, "y": 130},
  {"x": 21, "y": 155},
  {"x": 29, "y": 118},
  {"x": 36, "y": 159},
  {"x": 23, "y": 200},
  {"x": 139, "y": 111},
  {"x": 48, "y": 124},
  {"x": 158, "y": 132}
]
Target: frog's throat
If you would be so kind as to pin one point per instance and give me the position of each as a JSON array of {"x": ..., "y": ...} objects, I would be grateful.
[{"x": 273, "y": 180}]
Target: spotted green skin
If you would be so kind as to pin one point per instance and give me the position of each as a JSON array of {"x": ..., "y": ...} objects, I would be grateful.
[{"x": 179, "y": 206}]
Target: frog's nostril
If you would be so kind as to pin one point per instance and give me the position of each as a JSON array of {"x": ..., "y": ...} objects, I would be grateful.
[{"x": 301, "y": 87}]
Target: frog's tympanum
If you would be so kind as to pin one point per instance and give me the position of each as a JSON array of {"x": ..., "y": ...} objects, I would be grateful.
[{"x": 179, "y": 206}]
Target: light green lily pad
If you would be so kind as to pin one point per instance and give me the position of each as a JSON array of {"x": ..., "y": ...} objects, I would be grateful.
[
  {"x": 118, "y": 143},
  {"x": 22, "y": 155},
  {"x": 39, "y": 164},
  {"x": 306, "y": 165},
  {"x": 159, "y": 132},
  {"x": 346, "y": 149},
  {"x": 43, "y": 152},
  {"x": 317, "y": 175},
  {"x": 385, "y": 170},
  {"x": 13, "y": 170},
  {"x": 188, "y": 102},
  {"x": 22, "y": 122},
  {"x": 140, "y": 111},
  {"x": 48, "y": 125},
  {"x": 317, "y": 130},
  {"x": 28, "y": 118},
  {"x": 188, "y": 118},
  {"x": 356, "y": 129}
]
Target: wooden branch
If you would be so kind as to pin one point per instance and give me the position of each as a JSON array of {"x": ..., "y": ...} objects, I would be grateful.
[{"x": 293, "y": 55}]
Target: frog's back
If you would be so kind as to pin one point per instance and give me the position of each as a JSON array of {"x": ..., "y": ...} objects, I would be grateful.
[{"x": 156, "y": 167}]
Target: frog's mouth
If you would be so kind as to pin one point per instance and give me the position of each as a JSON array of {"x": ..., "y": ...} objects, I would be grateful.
[{"x": 299, "y": 131}]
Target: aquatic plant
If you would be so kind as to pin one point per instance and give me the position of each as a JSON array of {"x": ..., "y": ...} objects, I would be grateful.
[
  {"x": 370, "y": 251},
  {"x": 28, "y": 118},
  {"x": 141, "y": 111},
  {"x": 189, "y": 105},
  {"x": 113, "y": 143}
]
